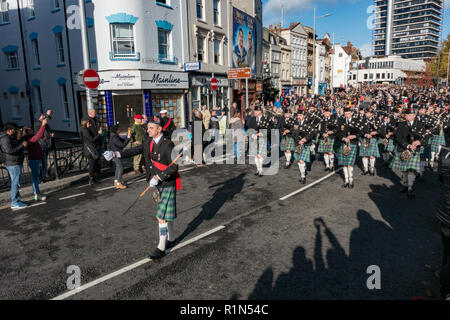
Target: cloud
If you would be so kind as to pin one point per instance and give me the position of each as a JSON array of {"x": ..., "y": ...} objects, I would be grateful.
[
  {"x": 366, "y": 49},
  {"x": 447, "y": 4}
]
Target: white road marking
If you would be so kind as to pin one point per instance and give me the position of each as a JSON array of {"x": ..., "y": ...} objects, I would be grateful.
[
  {"x": 106, "y": 188},
  {"x": 37, "y": 204},
  {"x": 73, "y": 196},
  {"x": 132, "y": 266},
  {"x": 310, "y": 185}
]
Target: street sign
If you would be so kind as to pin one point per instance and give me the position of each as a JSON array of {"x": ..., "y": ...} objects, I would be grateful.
[
  {"x": 239, "y": 73},
  {"x": 214, "y": 84},
  {"x": 91, "y": 79},
  {"x": 192, "y": 66}
]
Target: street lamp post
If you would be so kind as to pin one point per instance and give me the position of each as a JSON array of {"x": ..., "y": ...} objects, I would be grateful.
[{"x": 314, "y": 49}]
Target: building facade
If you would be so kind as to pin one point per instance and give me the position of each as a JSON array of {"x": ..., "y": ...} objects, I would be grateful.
[
  {"x": 410, "y": 29},
  {"x": 296, "y": 38},
  {"x": 272, "y": 58},
  {"x": 340, "y": 66},
  {"x": 41, "y": 52},
  {"x": 391, "y": 69}
]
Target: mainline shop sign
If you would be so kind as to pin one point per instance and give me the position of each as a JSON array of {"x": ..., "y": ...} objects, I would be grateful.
[{"x": 138, "y": 80}]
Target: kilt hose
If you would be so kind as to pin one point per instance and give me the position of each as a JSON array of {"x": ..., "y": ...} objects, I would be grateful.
[
  {"x": 411, "y": 164},
  {"x": 350, "y": 159},
  {"x": 305, "y": 155},
  {"x": 167, "y": 206},
  {"x": 436, "y": 141},
  {"x": 326, "y": 149},
  {"x": 287, "y": 143},
  {"x": 372, "y": 150}
]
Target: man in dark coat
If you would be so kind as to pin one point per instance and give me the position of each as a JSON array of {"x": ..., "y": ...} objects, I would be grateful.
[{"x": 157, "y": 153}]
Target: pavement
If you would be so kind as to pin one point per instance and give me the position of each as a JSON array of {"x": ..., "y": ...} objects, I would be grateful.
[{"x": 239, "y": 237}]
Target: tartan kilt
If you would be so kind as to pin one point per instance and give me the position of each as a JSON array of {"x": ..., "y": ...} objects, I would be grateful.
[
  {"x": 350, "y": 159},
  {"x": 262, "y": 146},
  {"x": 167, "y": 206},
  {"x": 287, "y": 143},
  {"x": 412, "y": 164},
  {"x": 371, "y": 151},
  {"x": 390, "y": 147},
  {"x": 436, "y": 141},
  {"x": 326, "y": 149},
  {"x": 305, "y": 155}
]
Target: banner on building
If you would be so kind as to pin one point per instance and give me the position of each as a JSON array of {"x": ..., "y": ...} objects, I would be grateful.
[{"x": 244, "y": 44}]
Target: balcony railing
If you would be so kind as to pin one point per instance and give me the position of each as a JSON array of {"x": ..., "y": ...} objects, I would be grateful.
[
  {"x": 124, "y": 56},
  {"x": 167, "y": 58}
]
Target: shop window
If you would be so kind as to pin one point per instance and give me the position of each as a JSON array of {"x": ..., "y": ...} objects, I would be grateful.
[{"x": 173, "y": 103}]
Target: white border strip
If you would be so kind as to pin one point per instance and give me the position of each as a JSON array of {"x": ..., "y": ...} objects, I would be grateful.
[
  {"x": 107, "y": 188},
  {"x": 310, "y": 185},
  {"x": 73, "y": 196},
  {"x": 132, "y": 266}
]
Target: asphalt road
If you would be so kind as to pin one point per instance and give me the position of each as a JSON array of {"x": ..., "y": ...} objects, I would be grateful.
[{"x": 264, "y": 248}]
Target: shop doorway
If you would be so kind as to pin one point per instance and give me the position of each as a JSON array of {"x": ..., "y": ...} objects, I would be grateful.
[{"x": 125, "y": 108}]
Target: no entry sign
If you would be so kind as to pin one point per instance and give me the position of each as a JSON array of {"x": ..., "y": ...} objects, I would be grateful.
[
  {"x": 91, "y": 79},
  {"x": 214, "y": 84}
]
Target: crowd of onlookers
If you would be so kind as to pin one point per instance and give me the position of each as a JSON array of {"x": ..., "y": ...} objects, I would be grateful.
[{"x": 15, "y": 144}]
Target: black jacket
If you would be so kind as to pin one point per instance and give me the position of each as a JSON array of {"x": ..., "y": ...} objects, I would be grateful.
[
  {"x": 162, "y": 153},
  {"x": 405, "y": 136},
  {"x": 117, "y": 143},
  {"x": 443, "y": 210},
  {"x": 12, "y": 149},
  {"x": 345, "y": 130},
  {"x": 170, "y": 128},
  {"x": 91, "y": 140}
]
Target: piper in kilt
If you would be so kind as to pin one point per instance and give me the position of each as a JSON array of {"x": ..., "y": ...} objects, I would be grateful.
[
  {"x": 438, "y": 139},
  {"x": 303, "y": 135},
  {"x": 410, "y": 135},
  {"x": 287, "y": 140},
  {"x": 163, "y": 175},
  {"x": 257, "y": 123},
  {"x": 328, "y": 131},
  {"x": 349, "y": 131},
  {"x": 371, "y": 129},
  {"x": 387, "y": 129}
]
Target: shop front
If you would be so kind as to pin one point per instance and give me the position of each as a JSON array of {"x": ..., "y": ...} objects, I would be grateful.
[
  {"x": 126, "y": 93},
  {"x": 255, "y": 91},
  {"x": 300, "y": 86},
  {"x": 203, "y": 95}
]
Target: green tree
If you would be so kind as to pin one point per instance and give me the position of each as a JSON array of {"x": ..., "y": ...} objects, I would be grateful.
[{"x": 441, "y": 60}]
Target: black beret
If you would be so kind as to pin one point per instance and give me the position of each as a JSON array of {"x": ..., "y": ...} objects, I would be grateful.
[{"x": 156, "y": 120}]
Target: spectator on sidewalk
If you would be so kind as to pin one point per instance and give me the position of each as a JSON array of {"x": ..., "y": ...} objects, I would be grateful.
[
  {"x": 90, "y": 150},
  {"x": 206, "y": 117},
  {"x": 95, "y": 129},
  {"x": 47, "y": 144},
  {"x": 35, "y": 156},
  {"x": 237, "y": 125},
  {"x": 13, "y": 155},
  {"x": 117, "y": 144},
  {"x": 223, "y": 122},
  {"x": 137, "y": 138}
]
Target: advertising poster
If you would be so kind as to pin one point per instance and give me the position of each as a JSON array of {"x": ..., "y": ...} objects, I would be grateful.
[{"x": 244, "y": 31}]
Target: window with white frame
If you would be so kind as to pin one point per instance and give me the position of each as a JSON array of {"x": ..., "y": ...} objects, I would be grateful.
[
  {"x": 65, "y": 100},
  {"x": 163, "y": 44},
  {"x": 31, "y": 8},
  {"x": 216, "y": 12},
  {"x": 56, "y": 4},
  {"x": 4, "y": 16},
  {"x": 200, "y": 49},
  {"x": 200, "y": 9},
  {"x": 217, "y": 55},
  {"x": 12, "y": 60},
  {"x": 38, "y": 99},
  {"x": 60, "y": 48},
  {"x": 122, "y": 35},
  {"x": 35, "y": 47}
]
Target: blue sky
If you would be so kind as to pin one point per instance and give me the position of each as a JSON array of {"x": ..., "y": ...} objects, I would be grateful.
[{"x": 348, "y": 18}]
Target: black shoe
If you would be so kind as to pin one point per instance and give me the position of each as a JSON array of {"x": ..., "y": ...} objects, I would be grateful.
[
  {"x": 327, "y": 169},
  {"x": 170, "y": 244},
  {"x": 287, "y": 166},
  {"x": 411, "y": 194},
  {"x": 303, "y": 180},
  {"x": 404, "y": 190},
  {"x": 372, "y": 173},
  {"x": 332, "y": 169},
  {"x": 260, "y": 174},
  {"x": 351, "y": 186},
  {"x": 365, "y": 173},
  {"x": 257, "y": 174},
  {"x": 157, "y": 254},
  {"x": 345, "y": 185}
]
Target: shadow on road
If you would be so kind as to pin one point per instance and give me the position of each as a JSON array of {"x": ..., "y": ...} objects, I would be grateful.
[
  {"x": 225, "y": 193},
  {"x": 402, "y": 248}
]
